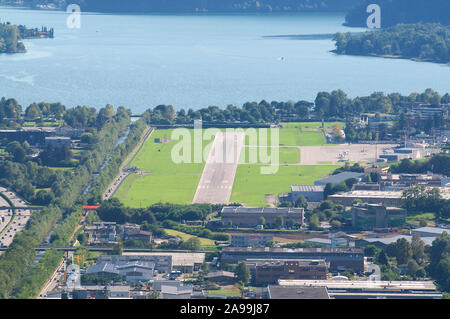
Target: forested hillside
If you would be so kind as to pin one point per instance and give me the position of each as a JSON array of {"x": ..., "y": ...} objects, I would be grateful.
[
  {"x": 402, "y": 11},
  {"x": 424, "y": 42},
  {"x": 9, "y": 39},
  {"x": 199, "y": 5}
]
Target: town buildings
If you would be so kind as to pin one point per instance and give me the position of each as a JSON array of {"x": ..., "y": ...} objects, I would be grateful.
[
  {"x": 339, "y": 259},
  {"x": 250, "y": 217}
]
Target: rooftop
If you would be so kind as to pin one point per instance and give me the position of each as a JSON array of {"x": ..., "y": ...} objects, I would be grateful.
[
  {"x": 338, "y": 178},
  {"x": 178, "y": 259},
  {"x": 292, "y": 250},
  {"x": 260, "y": 210},
  {"x": 297, "y": 292},
  {"x": 307, "y": 188},
  {"x": 361, "y": 284},
  {"x": 432, "y": 230}
]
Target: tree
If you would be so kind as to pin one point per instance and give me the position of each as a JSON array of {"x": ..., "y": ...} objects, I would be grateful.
[
  {"x": 262, "y": 221},
  {"x": 418, "y": 249},
  {"x": 301, "y": 202},
  {"x": 279, "y": 221},
  {"x": 403, "y": 251},
  {"x": 382, "y": 258},
  {"x": 192, "y": 244},
  {"x": 242, "y": 272},
  {"x": 117, "y": 248},
  {"x": 412, "y": 268}
]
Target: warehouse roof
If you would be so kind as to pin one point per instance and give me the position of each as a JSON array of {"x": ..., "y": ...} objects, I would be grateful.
[
  {"x": 297, "y": 292},
  {"x": 307, "y": 188},
  {"x": 338, "y": 178}
]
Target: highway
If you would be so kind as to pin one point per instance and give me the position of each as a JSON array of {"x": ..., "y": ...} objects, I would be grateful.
[{"x": 10, "y": 228}]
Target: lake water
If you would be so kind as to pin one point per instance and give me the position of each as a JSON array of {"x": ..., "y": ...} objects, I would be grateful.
[{"x": 189, "y": 61}]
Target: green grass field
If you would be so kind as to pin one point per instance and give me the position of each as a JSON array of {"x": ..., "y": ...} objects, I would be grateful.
[
  {"x": 311, "y": 124},
  {"x": 251, "y": 155},
  {"x": 204, "y": 242},
  {"x": 250, "y": 185},
  {"x": 288, "y": 137},
  {"x": 164, "y": 181}
]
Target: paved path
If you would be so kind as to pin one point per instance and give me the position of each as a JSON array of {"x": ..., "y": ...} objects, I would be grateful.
[
  {"x": 122, "y": 174},
  {"x": 218, "y": 175},
  {"x": 313, "y": 155}
]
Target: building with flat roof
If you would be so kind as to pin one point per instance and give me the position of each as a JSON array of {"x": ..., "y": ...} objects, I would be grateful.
[
  {"x": 131, "y": 271},
  {"x": 386, "y": 198},
  {"x": 184, "y": 262},
  {"x": 312, "y": 193},
  {"x": 429, "y": 231},
  {"x": 362, "y": 289},
  {"x": 339, "y": 178},
  {"x": 339, "y": 259},
  {"x": 250, "y": 217},
  {"x": 383, "y": 241},
  {"x": 162, "y": 263},
  {"x": 296, "y": 292},
  {"x": 268, "y": 271},
  {"x": 246, "y": 240},
  {"x": 56, "y": 141},
  {"x": 369, "y": 216},
  {"x": 221, "y": 277}
]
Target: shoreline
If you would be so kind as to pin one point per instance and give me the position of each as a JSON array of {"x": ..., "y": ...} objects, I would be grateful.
[{"x": 394, "y": 57}]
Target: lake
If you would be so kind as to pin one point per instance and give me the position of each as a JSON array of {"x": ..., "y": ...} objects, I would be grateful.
[{"x": 193, "y": 61}]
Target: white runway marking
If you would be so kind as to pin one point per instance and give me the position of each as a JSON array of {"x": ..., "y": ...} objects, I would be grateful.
[{"x": 220, "y": 169}]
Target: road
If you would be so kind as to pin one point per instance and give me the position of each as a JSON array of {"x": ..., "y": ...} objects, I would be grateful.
[
  {"x": 56, "y": 279},
  {"x": 123, "y": 174},
  {"x": 18, "y": 221}
]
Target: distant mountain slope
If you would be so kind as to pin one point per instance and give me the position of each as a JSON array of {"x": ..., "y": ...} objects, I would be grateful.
[
  {"x": 198, "y": 5},
  {"x": 402, "y": 11}
]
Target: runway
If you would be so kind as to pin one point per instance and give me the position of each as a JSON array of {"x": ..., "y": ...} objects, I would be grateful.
[{"x": 216, "y": 183}]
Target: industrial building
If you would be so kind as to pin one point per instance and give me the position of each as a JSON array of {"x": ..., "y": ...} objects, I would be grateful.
[
  {"x": 246, "y": 240},
  {"x": 268, "y": 271},
  {"x": 429, "y": 231},
  {"x": 369, "y": 216},
  {"x": 250, "y": 217},
  {"x": 351, "y": 289},
  {"x": 339, "y": 259},
  {"x": 338, "y": 178},
  {"x": 312, "y": 193}
]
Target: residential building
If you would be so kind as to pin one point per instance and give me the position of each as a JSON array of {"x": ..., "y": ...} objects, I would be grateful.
[
  {"x": 141, "y": 235},
  {"x": 250, "y": 217}
]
